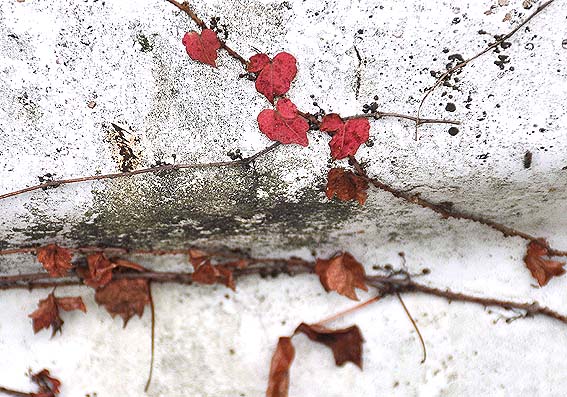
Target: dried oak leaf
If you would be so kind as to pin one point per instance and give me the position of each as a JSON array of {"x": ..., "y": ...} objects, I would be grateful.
[
  {"x": 342, "y": 273},
  {"x": 208, "y": 274},
  {"x": 100, "y": 269},
  {"x": 124, "y": 297},
  {"x": 48, "y": 385},
  {"x": 202, "y": 47},
  {"x": 56, "y": 260},
  {"x": 274, "y": 76},
  {"x": 542, "y": 269},
  {"x": 278, "y": 383},
  {"x": 346, "y": 343},
  {"x": 47, "y": 313},
  {"x": 346, "y": 186},
  {"x": 284, "y": 124},
  {"x": 347, "y": 137}
]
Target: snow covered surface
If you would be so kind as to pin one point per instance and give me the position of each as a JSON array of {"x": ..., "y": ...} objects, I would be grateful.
[{"x": 127, "y": 57}]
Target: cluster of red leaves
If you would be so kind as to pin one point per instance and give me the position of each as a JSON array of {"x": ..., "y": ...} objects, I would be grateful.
[
  {"x": 48, "y": 385},
  {"x": 206, "y": 273},
  {"x": 542, "y": 269},
  {"x": 346, "y": 345},
  {"x": 47, "y": 313},
  {"x": 342, "y": 273},
  {"x": 346, "y": 186}
]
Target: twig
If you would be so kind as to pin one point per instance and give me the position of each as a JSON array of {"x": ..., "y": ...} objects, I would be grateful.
[
  {"x": 153, "y": 325},
  {"x": 11, "y": 392},
  {"x": 461, "y": 65},
  {"x": 157, "y": 169},
  {"x": 447, "y": 212},
  {"x": 349, "y": 310},
  {"x": 414, "y": 326},
  {"x": 418, "y": 121}
]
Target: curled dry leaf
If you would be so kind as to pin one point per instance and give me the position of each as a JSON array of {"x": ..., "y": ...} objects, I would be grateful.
[
  {"x": 274, "y": 76},
  {"x": 202, "y": 47},
  {"x": 206, "y": 273},
  {"x": 56, "y": 260},
  {"x": 342, "y": 273},
  {"x": 197, "y": 257},
  {"x": 278, "y": 383},
  {"x": 346, "y": 186},
  {"x": 100, "y": 269},
  {"x": 48, "y": 385},
  {"x": 124, "y": 297},
  {"x": 542, "y": 269},
  {"x": 47, "y": 313},
  {"x": 284, "y": 124},
  {"x": 346, "y": 343},
  {"x": 347, "y": 137}
]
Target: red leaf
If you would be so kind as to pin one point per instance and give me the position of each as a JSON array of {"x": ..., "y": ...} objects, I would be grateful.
[
  {"x": 47, "y": 313},
  {"x": 346, "y": 344},
  {"x": 275, "y": 76},
  {"x": 278, "y": 383},
  {"x": 197, "y": 257},
  {"x": 56, "y": 260},
  {"x": 124, "y": 297},
  {"x": 347, "y": 137},
  {"x": 346, "y": 186},
  {"x": 100, "y": 269},
  {"x": 342, "y": 273},
  {"x": 48, "y": 385},
  {"x": 542, "y": 269},
  {"x": 202, "y": 47},
  {"x": 209, "y": 274},
  {"x": 284, "y": 124}
]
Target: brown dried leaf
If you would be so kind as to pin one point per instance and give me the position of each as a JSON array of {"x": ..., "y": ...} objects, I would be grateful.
[
  {"x": 197, "y": 257},
  {"x": 346, "y": 186},
  {"x": 542, "y": 269},
  {"x": 209, "y": 274},
  {"x": 124, "y": 297},
  {"x": 278, "y": 384},
  {"x": 346, "y": 344},
  {"x": 342, "y": 273},
  {"x": 48, "y": 385},
  {"x": 100, "y": 269},
  {"x": 56, "y": 260},
  {"x": 47, "y": 313}
]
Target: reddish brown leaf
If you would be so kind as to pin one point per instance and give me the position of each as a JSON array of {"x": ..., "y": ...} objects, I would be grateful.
[
  {"x": 346, "y": 186},
  {"x": 56, "y": 260},
  {"x": 346, "y": 344},
  {"x": 124, "y": 297},
  {"x": 542, "y": 269},
  {"x": 278, "y": 383},
  {"x": 275, "y": 76},
  {"x": 47, "y": 313},
  {"x": 341, "y": 273},
  {"x": 100, "y": 269},
  {"x": 209, "y": 274},
  {"x": 48, "y": 385},
  {"x": 347, "y": 137},
  {"x": 202, "y": 47},
  {"x": 197, "y": 257},
  {"x": 284, "y": 124}
]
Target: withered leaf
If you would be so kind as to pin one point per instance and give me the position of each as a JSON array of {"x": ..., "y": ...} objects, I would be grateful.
[
  {"x": 47, "y": 313},
  {"x": 100, "y": 269},
  {"x": 124, "y": 297},
  {"x": 542, "y": 269},
  {"x": 346, "y": 186},
  {"x": 48, "y": 385},
  {"x": 342, "y": 273},
  {"x": 278, "y": 383},
  {"x": 209, "y": 274},
  {"x": 346, "y": 343},
  {"x": 56, "y": 260},
  {"x": 197, "y": 257}
]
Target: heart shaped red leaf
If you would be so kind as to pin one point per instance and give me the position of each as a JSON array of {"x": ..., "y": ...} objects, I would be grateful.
[
  {"x": 202, "y": 47},
  {"x": 347, "y": 137},
  {"x": 284, "y": 124},
  {"x": 274, "y": 76}
]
